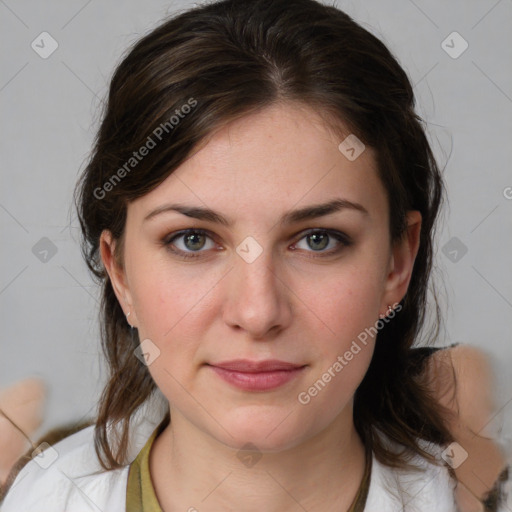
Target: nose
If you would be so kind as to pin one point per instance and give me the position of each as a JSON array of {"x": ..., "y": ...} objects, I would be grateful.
[{"x": 257, "y": 298}]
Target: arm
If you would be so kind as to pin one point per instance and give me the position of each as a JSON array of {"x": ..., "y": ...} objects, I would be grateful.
[{"x": 461, "y": 380}]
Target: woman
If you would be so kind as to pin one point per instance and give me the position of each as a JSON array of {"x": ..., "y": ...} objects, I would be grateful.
[{"x": 259, "y": 209}]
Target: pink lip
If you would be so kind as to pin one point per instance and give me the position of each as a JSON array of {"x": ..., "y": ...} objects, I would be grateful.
[
  {"x": 248, "y": 366},
  {"x": 257, "y": 375}
]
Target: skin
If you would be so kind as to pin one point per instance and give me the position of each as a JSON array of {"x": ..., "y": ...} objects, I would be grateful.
[
  {"x": 294, "y": 302},
  {"x": 23, "y": 404},
  {"x": 470, "y": 420}
]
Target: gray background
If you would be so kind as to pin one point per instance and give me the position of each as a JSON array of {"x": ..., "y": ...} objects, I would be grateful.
[{"x": 50, "y": 111}]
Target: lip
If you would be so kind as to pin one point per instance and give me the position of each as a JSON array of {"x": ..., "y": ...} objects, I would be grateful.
[
  {"x": 257, "y": 375},
  {"x": 248, "y": 366}
]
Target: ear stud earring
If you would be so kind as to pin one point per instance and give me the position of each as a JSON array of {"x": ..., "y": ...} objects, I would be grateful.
[
  {"x": 384, "y": 315},
  {"x": 127, "y": 315}
]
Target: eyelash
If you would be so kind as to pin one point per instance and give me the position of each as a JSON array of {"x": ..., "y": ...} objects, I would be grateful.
[{"x": 342, "y": 238}]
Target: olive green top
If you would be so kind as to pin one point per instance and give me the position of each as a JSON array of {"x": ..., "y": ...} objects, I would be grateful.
[{"x": 141, "y": 497}]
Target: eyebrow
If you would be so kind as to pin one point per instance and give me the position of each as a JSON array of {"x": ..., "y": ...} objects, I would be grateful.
[{"x": 294, "y": 216}]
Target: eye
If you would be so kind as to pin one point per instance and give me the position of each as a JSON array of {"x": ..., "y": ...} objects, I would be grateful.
[
  {"x": 193, "y": 240},
  {"x": 319, "y": 239}
]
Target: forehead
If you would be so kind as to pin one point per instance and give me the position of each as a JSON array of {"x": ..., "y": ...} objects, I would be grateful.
[{"x": 281, "y": 157}]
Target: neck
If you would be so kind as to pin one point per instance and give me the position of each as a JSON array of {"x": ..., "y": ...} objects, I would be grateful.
[{"x": 192, "y": 470}]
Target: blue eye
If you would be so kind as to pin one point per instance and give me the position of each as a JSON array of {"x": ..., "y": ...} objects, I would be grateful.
[
  {"x": 194, "y": 240},
  {"x": 319, "y": 239}
]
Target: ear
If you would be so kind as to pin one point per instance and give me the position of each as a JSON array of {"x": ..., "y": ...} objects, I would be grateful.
[
  {"x": 403, "y": 255},
  {"x": 117, "y": 276}
]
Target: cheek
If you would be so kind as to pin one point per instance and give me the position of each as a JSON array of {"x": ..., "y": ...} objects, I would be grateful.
[
  {"x": 172, "y": 306},
  {"x": 344, "y": 344},
  {"x": 167, "y": 310},
  {"x": 167, "y": 297},
  {"x": 343, "y": 304}
]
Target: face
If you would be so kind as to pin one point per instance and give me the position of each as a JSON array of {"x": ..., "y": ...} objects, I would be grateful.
[{"x": 264, "y": 283}]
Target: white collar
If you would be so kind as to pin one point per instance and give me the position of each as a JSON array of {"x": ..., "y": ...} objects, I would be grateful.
[
  {"x": 77, "y": 473},
  {"x": 431, "y": 489}
]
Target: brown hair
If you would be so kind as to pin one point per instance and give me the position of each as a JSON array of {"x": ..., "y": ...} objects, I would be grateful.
[{"x": 225, "y": 60}]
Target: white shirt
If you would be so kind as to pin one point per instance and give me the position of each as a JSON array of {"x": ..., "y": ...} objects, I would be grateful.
[{"x": 75, "y": 481}]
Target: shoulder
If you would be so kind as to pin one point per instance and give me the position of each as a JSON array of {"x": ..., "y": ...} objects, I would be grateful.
[
  {"x": 463, "y": 381},
  {"x": 429, "y": 488},
  {"x": 464, "y": 358},
  {"x": 66, "y": 476},
  {"x": 462, "y": 378}
]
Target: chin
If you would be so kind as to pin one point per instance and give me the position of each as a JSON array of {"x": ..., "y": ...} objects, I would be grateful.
[{"x": 269, "y": 433}]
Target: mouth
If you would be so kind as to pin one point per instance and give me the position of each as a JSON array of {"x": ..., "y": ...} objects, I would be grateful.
[{"x": 257, "y": 375}]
